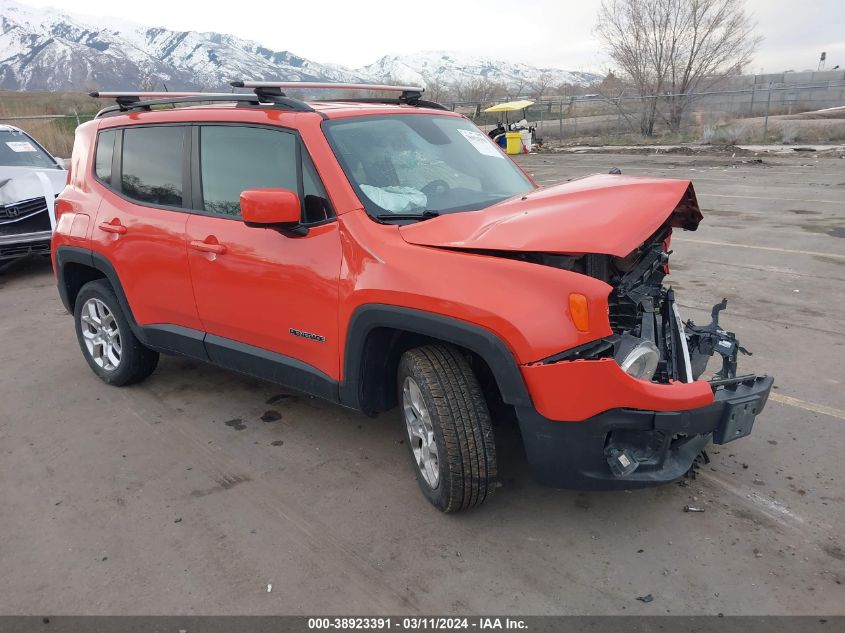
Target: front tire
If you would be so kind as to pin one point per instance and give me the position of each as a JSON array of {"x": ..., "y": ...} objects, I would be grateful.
[
  {"x": 449, "y": 434},
  {"x": 108, "y": 344}
]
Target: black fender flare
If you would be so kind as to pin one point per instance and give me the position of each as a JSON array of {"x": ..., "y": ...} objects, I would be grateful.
[
  {"x": 75, "y": 255},
  {"x": 477, "y": 339},
  {"x": 162, "y": 337}
]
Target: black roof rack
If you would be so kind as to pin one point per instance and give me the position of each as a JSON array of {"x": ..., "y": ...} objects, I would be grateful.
[
  {"x": 265, "y": 93},
  {"x": 127, "y": 101},
  {"x": 409, "y": 95}
]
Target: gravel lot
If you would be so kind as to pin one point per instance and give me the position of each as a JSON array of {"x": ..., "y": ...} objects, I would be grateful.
[{"x": 151, "y": 500}]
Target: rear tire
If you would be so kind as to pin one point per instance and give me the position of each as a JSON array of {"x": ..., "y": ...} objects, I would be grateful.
[
  {"x": 449, "y": 434},
  {"x": 108, "y": 344}
]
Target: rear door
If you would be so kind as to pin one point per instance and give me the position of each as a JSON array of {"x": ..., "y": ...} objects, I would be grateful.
[
  {"x": 262, "y": 290},
  {"x": 140, "y": 227}
]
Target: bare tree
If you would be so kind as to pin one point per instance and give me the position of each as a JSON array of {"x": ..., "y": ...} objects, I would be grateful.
[
  {"x": 479, "y": 89},
  {"x": 541, "y": 85},
  {"x": 675, "y": 47},
  {"x": 612, "y": 90},
  {"x": 436, "y": 91},
  {"x": 515, "y": 89}
]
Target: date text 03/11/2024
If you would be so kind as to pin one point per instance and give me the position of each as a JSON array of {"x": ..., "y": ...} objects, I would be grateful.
[{"x": 416, "y": 623}]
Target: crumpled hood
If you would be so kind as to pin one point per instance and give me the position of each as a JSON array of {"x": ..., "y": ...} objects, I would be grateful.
[
  {"x": 607, "y": 214},
  {"x": 24, "y": 183}
]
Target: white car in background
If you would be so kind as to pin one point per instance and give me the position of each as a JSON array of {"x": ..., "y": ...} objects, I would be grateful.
[{"x": 30, "y": 180}]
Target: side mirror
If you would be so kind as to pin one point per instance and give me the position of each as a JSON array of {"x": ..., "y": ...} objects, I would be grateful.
[{"x": 272, "y": 208}]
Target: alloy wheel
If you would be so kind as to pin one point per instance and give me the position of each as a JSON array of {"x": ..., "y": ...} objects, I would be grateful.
[
  {"x": 420, "y": 432},
  {"x": 101, "y": 334}
]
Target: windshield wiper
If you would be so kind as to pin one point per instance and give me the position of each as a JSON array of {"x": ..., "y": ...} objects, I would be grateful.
[{"x": 425, "y": 215}]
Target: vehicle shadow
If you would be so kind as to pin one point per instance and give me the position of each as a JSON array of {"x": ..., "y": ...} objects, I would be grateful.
[{"x": 520, "y": 498}]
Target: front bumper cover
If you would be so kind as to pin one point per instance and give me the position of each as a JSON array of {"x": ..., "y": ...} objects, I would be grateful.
[
  {"x": 664, "y": 443},
  {"x": 22, "y": 244}
]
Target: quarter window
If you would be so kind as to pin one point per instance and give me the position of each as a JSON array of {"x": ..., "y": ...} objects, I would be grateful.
[
  {"x": 105, "y": 152},
  {"x": 234, "y": 159},
  {"x": 152, "y": 164},
  {"x": 315, "y": 204}
]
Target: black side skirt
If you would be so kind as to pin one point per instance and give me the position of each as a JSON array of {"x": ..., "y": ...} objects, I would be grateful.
[{"x": 240, "y": 357}]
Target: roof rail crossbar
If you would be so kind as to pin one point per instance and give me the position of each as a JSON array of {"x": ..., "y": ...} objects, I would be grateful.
[
  {"x": 325, "y": 85},
  {"x": 410, "y": 95},
  {"x": 420, "y": 103},
  {"x": 143, "y": 100}
]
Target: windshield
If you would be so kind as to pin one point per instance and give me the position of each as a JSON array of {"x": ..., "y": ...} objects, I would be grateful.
[
  {"x": 19, "y": 150},
  {"x": 422, "y": 165}
]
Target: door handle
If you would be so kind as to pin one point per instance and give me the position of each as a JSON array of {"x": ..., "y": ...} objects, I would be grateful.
[
  {"x": 112, "y": 227},
  {"x": 208, "y": 247}
]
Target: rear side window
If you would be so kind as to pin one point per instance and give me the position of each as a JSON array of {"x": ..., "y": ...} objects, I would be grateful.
[
  {"x": 152, "y": 164},
  {"x": 234, "y": 159},
  {"x": 105, "y": 153}
]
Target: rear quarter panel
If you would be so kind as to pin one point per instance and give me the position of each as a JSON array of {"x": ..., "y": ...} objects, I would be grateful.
[{"x": 78, "y": 203}]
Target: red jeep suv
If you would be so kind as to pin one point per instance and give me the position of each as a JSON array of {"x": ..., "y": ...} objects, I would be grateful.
[{"x": 383, "y": 252}]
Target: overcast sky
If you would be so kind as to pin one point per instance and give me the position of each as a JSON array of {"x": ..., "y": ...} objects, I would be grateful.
[{"x": 556, "y": 33}]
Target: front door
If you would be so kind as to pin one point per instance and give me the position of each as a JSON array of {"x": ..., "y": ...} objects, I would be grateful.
[{"x": 257, "y": 289}]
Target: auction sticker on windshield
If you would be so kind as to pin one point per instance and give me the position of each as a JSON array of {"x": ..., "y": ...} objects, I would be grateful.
[
  {"x": 480, "y": 142},
  {"x": 20, "y": 146}
]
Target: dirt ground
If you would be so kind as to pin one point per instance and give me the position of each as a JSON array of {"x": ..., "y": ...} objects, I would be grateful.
[{"x": 154, "y": 500}]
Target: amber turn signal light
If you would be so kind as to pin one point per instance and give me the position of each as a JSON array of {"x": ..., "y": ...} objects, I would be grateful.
[{"x": 579, "y": 311}]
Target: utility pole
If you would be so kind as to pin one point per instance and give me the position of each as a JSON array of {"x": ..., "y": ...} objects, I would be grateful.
[
  {"x": 560, "y": 120},
  {"x": 768, "y": 103}
]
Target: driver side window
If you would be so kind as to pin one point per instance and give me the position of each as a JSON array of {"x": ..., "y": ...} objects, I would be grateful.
[{"x": 234, "y": 159}]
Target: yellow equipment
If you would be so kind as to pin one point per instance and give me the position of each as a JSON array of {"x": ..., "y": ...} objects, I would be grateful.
[
  {"x": 514, "y": 143},
  {"x": 510, "y": 106}
]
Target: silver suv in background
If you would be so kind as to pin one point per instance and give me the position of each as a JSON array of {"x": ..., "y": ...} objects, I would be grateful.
[{"x": 30, "y": 180}]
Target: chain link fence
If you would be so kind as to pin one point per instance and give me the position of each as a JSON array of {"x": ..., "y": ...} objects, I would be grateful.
[{"x": 761, "y": 113}]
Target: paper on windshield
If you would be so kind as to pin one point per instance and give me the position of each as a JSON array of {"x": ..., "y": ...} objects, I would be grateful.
[
  {"x": 396, "y": 199},
  {"x": 480, "y": 142},
  {"x": 20, "y": 146}
]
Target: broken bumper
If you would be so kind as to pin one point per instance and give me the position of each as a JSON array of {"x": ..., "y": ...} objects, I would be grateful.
[{"x": 664, "y": 444}]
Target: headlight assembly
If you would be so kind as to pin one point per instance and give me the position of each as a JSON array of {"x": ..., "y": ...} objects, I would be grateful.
[{"x": 638, "y": 357}]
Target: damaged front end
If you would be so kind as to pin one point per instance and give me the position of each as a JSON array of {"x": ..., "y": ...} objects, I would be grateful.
[
  {"x": 627, "y": 409},
  {"x": 650, "y": 340},
  {"x": 636, "y": 445}
]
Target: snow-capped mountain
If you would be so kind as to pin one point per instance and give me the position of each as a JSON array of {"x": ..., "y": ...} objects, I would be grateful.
[
  {"x": 49, "y": 49},
  {"x": 447, "y": 68}
]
